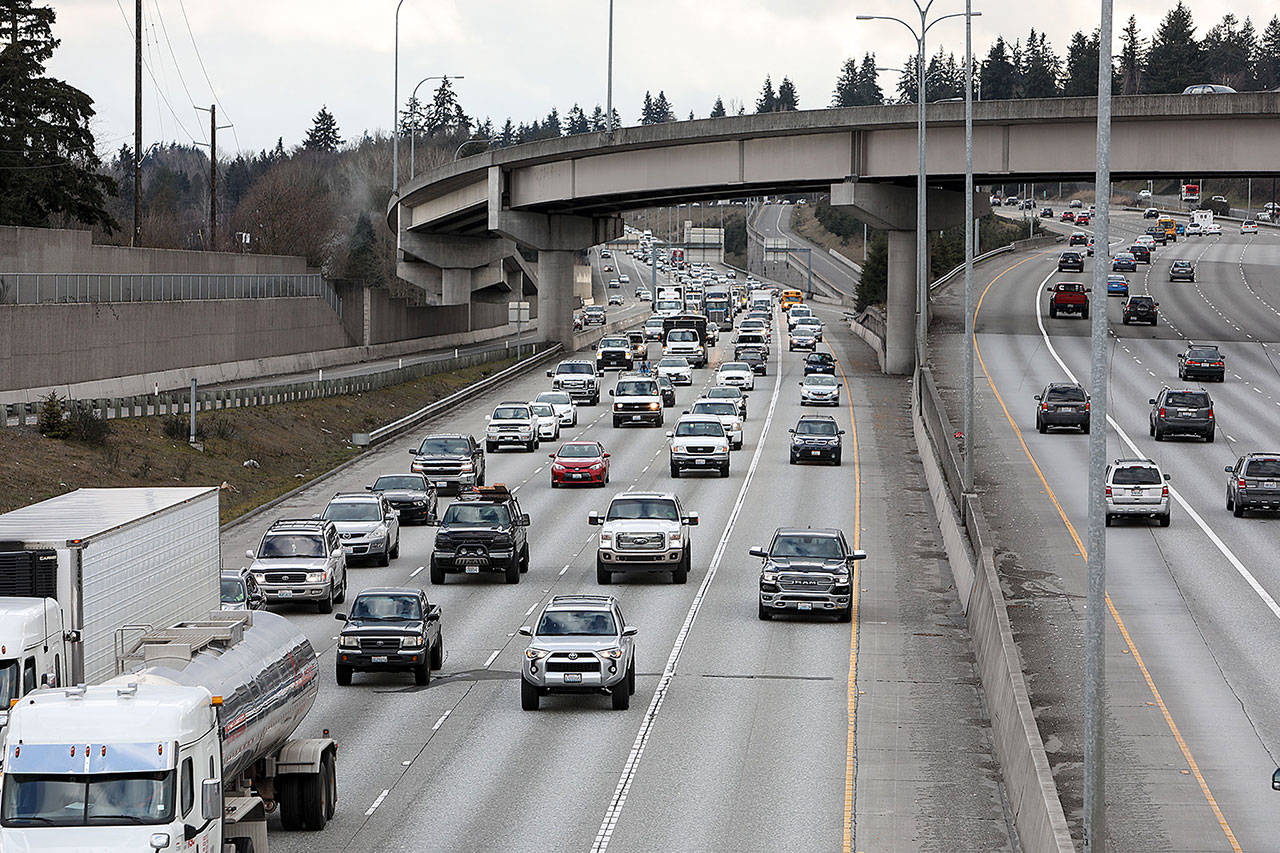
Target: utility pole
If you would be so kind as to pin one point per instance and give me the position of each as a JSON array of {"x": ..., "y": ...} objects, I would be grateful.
[
  {"x": 136, "y": 237},
  {"x": 214, "y": 127}
]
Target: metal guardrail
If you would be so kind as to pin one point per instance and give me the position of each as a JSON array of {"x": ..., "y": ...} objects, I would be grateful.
[
  {"x": 365, "y": 439},
  {"x": 45, "y": 288},
  {"x": 943, "y": 279}
]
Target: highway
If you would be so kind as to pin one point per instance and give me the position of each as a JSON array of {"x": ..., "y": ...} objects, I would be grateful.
[
  {"x": 1192, "y": 714},
  {"x": 774, "y": 220},
  {"x": 789, "y": 734}
]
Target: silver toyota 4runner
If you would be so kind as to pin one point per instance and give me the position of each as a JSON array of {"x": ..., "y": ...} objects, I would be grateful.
[
  {"x": 807, "y": 570},
  {"x": 644, "y": 532},
  {"x": 580, "y": 644},
  {"x": 301, "y": 560},
  {"x": 580, "y": 378}
]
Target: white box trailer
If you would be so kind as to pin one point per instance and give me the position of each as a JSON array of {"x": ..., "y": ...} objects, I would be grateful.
[{"x": 111, "y": 559}]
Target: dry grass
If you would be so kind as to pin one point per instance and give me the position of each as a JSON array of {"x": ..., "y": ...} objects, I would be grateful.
[
  {"x": 804, "y": 223},
  {"x": 292, "y": 443}
]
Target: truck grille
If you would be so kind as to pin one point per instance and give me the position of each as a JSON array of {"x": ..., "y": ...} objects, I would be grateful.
[
  {"x": 442, "y": 468},
  {"x": 286, "y": 577},
  {"x": 634, "y": 407},
  {"x": 700, "y": 449},
  {"x": 640, "y": 541},
  {"x": 561, "y": 663},
  {"x": 804, "y": 582},
  {"x": 379, "y": 644}
]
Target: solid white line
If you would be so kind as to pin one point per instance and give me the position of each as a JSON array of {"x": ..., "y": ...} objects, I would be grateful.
[
  {"x": 377, "y": 802},
  {"x": 1173, "y": 493},
  {"x": 629, "y": 768},
  {"x": 440, "y": 722},
  {"x": 414, "y": 573},
  {"x": 492, "y": 658}
]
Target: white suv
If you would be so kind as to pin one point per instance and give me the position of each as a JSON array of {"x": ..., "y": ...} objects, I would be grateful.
[
  {"x": 687, "y": 343},
  {"x": 1136, "y": 487},
  {"x": 643, "y": 532},
  {"x": 727, "y": 412},
  {"x": 511, "y": 423},
  {"x": 578, "y": 377},
  {"x": 367, "y": 525},
  {"x": 699, "y": 443},
  {"x": 580, "y": 644}
]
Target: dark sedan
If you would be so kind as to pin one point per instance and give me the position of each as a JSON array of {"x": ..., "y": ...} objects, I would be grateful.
[
  {"x": 819, "y": 362},
  {"x": 411, "y": 495},
  {"x": 1182, "y": 271},
  {"x": 1202, "y": 361},
  {"x": 1140, "y": 253},
  {"x": 1124, "y": 262}
]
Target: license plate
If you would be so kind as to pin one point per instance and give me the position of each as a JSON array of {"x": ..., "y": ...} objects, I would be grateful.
[
  {"x": 815, "y": 452},
  {"x": 1187, "y": 413},
  {"x": 285, "y": 593},
  {"x": 573, "y": 678},
  {"x": 576, "y": 476},
  {"x": 473, "y": 569},
  {"x": 379, "y": 658},
  {"x": 440, "y": 484},
  {"x": 1135, "y": 491},
  {"x": 804, "y": 605},
  {"x": 699, "y": 462},
  {"x": 635, "y": 417}
]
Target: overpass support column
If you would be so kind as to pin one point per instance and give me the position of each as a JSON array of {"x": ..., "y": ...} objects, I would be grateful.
[
  {"x": 555, "y": 296},
  {"x": 900, "y": 304}
]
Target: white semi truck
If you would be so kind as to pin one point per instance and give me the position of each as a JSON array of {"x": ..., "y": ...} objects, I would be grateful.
[
  {"x": 83, "y": 573},
  {"x": 190, "y": 751}
]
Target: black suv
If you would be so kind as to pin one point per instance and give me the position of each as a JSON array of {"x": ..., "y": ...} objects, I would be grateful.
[
  {"x": 411, "y": 495},
  {"x": 1181, "y": 411},
  {"x": 1070, "y": 262},
  {"x": 483, "y": 531},
  {"x": 1140, "y": 253},
  {"x": 1202, "y": 361},
  {"x": 1078, "y": 238},
  {"x": 449, "y": 461},
  {"x": 390, "y": 628},
  {"x": 819, "y": 362},
  {"x": 753, "y": 354},
  {"x": 1062, "y": 404},
  {"x": 1182, "y": 271},
  {"x": 1140, "y": 309},
  {"x": 1254, "y": 483},
  {"x": 816, "y": 437}
]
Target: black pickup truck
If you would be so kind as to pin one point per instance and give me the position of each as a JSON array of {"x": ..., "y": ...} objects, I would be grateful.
[
  {"x": 390, "y": 628},
  {"x": 482, "y": 532}
]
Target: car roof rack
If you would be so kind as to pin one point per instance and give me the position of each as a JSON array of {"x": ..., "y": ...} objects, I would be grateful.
[
  {"x": 497, "y": 493},
  {"x": 580, "y": 598},
  {"x": 298, "y": 523}
]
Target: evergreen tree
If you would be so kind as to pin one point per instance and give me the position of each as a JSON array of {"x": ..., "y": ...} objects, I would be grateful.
[
  {"x": 846, "y": 85},
  {"x": 507, "y": 136},
  {"x": 362, "y": 258},
  {"x": 868, "y": 90},
  {"x": 768, "y": 100},
  {"x": 690, "y": 115},
  {"x": 907, "y": 84},
  {"x": 1082, "y": 66},
  {"x": 944, "y": 78},
  {"x": 717, "y": 109},
  {"x": 124, "y": 165},
  {"x": 646, "y": 111},
  {"x": 999, "y": 75},
  {"x": 1229, "y": 51},
  {"x": 1176, "y": 59},
  {"x": 323, "y": 135},
  {"x": 662, "y": 110},
  {"x": 1040, "y": 68},
  {"x": 1133, "y": 59},
  {"x": 412, "y": 117},
  {"x": 551, "y": 125},
  {"x": 576, "y": 121},
  {"x": 597, "y": 120},
  {"x": 1267, "y": 65},
  {"x": 788, "y": 100},
  {"x": 444, "y": 116},
  {"x": 49, "y": 170}
]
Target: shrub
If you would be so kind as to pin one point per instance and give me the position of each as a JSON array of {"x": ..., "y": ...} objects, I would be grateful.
[
  {"x": 86, "y": 425},
  {"x": 50, "y": 420},
  {"x": 178, "y": 427}
]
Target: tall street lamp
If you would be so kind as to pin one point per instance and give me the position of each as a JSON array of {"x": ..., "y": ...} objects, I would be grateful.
[
  {"x": 922, "y": 245},
  {"x": 608, "y": 114},
  {"x": 413, "y": 131},
  {"x": 395, "y": 112}
]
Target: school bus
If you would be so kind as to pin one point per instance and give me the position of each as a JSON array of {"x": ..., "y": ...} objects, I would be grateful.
[
  {"x": 1168, "y": 226},
  {"x": 789, "y": 298}
]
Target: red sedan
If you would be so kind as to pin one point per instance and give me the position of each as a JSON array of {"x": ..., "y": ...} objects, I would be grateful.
[
  {"x": 1068, "y": 216},
  {"x": 579, "y": 462}
]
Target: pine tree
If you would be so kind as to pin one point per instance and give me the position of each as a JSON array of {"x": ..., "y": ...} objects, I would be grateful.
[
  {"x": 1176, "y": 59},
  {"x": 690, "y": 115},
  {"x": 868, "y": 90},
  {"x": 717, "y": 109},
  {"x": 646, "y": 111},
  {"x": 907, "y": 82},
  {"x": 1133, "y": 59},
  {"x": 362, "y": 257},
  {"x": 412, "y": 117},
  {"x": 49, "y": 170},
  {"x": 1267, "y": 63},
  {"x": 551, "y": 125},
  {"x": 1040, "y": 68},
  {"x": 662, "y": 110},
  {"x": 788, "y": 100},
  {"x": 1229, "y": 51},
  {"x": 444, "y": 116},
  {"x": 508, "y": 134},
  {"x": 999, "y": 75},
  {"x": 323, "y": 135},
  {"x": 1082, "y": 67},
  {"x": 846, "y": 85},
  {"x": 768, "y": 100},
  {"x": 576, "y": 122},
  {"x": 597, "y": 120}
]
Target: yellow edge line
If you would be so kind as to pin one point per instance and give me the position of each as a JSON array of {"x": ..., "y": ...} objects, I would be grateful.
[
  {"x": 1124, "y": 632},
  {"x": 850, "y": 741}
]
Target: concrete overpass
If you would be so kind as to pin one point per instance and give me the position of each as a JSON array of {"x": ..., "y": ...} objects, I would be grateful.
[{"x": 559, "y": 196}]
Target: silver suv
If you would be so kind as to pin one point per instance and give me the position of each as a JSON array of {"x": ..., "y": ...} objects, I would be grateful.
[
  {"x": 367, "y": 525},
  {"x": 580, "y": 378},
  {"x": 807, "y": 570},
  {"x": 699, "y": 443},
  {"x": 643, "y": 532},
  {"x": 580, "y": 644},
  {"x": 301, "y": 560},
  {"x": 511, "y": 423},
  {"x": 1136, "y": 487}
]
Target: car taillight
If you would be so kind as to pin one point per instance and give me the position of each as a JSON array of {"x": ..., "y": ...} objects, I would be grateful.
[
  {"x": 1211, "y": 411},
  {"x": 1161, "y": 411},
  {"x": 1164, "y": 491},
  {"x": 1108, "y": 491},
  {"x": 1241, "y": 483},
  {"x": 1086, "y": 405},
  {"x": 1044, "y": 407}
]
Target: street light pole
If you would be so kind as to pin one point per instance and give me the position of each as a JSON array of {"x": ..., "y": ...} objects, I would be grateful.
[
  {"x": 608, "y": 116},
  {"x": 395, "y": 113},
  {"x": 969, "y": 320}
]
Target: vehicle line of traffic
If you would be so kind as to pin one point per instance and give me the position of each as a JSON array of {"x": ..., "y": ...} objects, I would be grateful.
[{"x": 614, "y": 810}]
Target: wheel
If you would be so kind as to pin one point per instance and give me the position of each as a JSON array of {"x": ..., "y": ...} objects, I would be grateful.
[
  {"x": 1110, "y": 518},
  {"x": 1151, "y": 427},
  {"x": 1208, "y": 436},
  {"x": 574, "y": 422},
  {"x": 532, "y": 445},
  {"x": 1084, "y": 314},
  {"x": 325, "y": 605},
  {"x": 1182, "y": 375},
  {"x": 1159, "y": 434},
  {"x": 554, "y": 484},
  {"x": 1238, "y": 510},
  {"x": 315, "y": 799},
  {"x": 528, "y": 696},
  {"x": 1053, "y": 309},
  {"x": 1165, "y": 519},
  {"x": 662, "y": 419},
  {"x": 675, "y": 470},
  {"x": 289, "y": 796},
  {"x": 835, "y": 460},
  {"x": 437, "y": 653},
  {"x": 765, "y": 615},
  {"x": 1124, "y": 320},
  {"x": 595, "y": 399},
  {"x": 384, "y": 559},
  {"x": 1085, "y": 428},
  {"x": 1231, "y": 504},
  {"x": 1040, "y": 426},
  {"x": 724, "y": 470},
  {"x": 603, "y": 575},
  {"x": 631, "y": 676},
  {"x": 343, "y": 674},
  {"x": 491, "y": 447},
  {"x": 681, "y": 574},
  {"x": 845, "y": 615},
  {"x": 524, "y": 560},
  {"x": 422, "y": 674},
  {"x": 328, "y": 767},
  {"x": 620, "y": 695},
  {"x": 342, "y": 592},
  {"x": 512, "y": 574},
  {"x": 616, "y": 423},
  {"x": 437, "y": 573},
  {"x": 480, "y": 479},
  {"x": 791, "y": 459},
  {"x": 395, "y": 552}
]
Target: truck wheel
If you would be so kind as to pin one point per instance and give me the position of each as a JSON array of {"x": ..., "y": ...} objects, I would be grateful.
[
  {"x": 1159, "y": 434},
  {"x": 315, "y": 796},
  {"x": 764, "y": 613},
  {"x": 1053, "y": 309},
  {"x": 329, "y": 765},
  {"x": 616, "y": 423},
  {"x": 325, "y": 605},
  {"x": 437, "y": 653},
  {"x": 631, "y": 677},
  {"x": 343, "y": 674},
  {"x": 621, "y": 698},
  {"x": 437, "y": 573},
  {"x": 845, "y": 615},
  {"x": 724, "y": 470},
  {"x": 289, "y": 797},
  {"x": 524, "y": 560},
  {"x": 1238, "y": 510},
  {"x": 1165, "y": 519},
  {"x": 1208, "y": 436},
  {"x": 1110, "y": 519},
  {"x": 491, "y": 447},
  {"x": 422, "y": 674},
  {"x": 512, "y": 574},
  {"x": 675, "y": 470},
  {"x": 681, "y": 574},
  {"x": 603, "y": 575},
  {"x": 1084, "y": 313},
  {"x": 1230, "y": 503},
  {"x": 528, "y": 696}
]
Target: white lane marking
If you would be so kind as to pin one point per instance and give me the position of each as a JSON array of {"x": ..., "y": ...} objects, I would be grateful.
[
  {"x": 565, "y": 569},
  {"x": 530, "y": 610},
  {"x": 440, "y": 722},
  {"x": 415, "y": 572},
  {"x": 377, "y": 802},
  {"x": 1173, "y": 493},
  {"x": 614, "y": 811},
  {"x": 491, "y": 658}
]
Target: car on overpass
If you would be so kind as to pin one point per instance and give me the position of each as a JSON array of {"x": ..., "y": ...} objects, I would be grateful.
[
  {"x": 1046, "y": 213},
  {"x": 1150, "y": 213},
  {"x": 594, "y": 315},
  {"x": 1144, "y": 194},
  {"x": 807, "y": 570},
  {"x": 1076, "y": 203},
  {"x": 1254, "y": 483},
  {"x": 580, "y": 644},
  {"x": 1136, "y": 488},
  {"x": 1182, "y": 270},
  {"x": 1062, "y": 404},
  {"x": 1202, "y": 361}
]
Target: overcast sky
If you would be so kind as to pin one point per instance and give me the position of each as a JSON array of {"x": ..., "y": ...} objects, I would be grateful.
[{"x": 273, "y": 63}]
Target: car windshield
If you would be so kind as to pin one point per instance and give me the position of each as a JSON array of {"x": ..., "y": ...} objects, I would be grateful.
[
  {"x": 822, "y": 379},
  {"x": 1066, "y": 394},
  {"x": 707, "y": 428},
  {"x": 1187, "y": 400},
  {"x": 635, "y": 388},
  {"x": 232, "y": 592},
  {"x": 575, "y": 368},
  {"x": 662, "y": 509},
  {"x": 292, "y": 545},
  {"x": 1203, "y": 352},
  {"x": 1182, "y": 264},
  {"x": 614, "y": 342},
  {"x": 682, "y": 335},
  {"x": 576, "y": 623},
  {"x": 674, "y": 362},
  {"x": 733, "y": 366},
  {"x": 510, "y": 413},
  {"x": 807, "y": 545},
  {"x": 1136, "y": 475},
  {"x": 445, "y": 447},
  {"x": 819, "y": 358},
  {"x": 484, "y": 515},
  {"x": 387, "y": 607},
  {"x": 1269, "y": 468},
  {"x": 727, "y": 392},
  {"x": 579, "y": 451},
  {"x": 543, "y": 410},
  {"x": 1119, "y": 279},
  {"x": 99, "y": 799},
  {"x": 715, "y": 409},
  {"x": 404, "y": 481},
  {"x": 653, "y": 324},
  {"x": 353, "y": 511},
  {"x": 1141, "y": 302},
  {"x": 556, "y": 398},
  {"x": 816, "y": 428}
]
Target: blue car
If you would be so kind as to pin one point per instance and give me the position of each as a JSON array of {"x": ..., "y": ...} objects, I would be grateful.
[
  {"x": 1117, "y": 285},
  {"x": 1124, "y": 262}
]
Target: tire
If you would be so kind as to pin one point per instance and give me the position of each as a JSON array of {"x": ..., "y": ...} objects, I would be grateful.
[
  {"x": 1165, "y": 519},
  {"x": 662, "y": 419},
  {"x": 342, "y": 593},
  {"x": 680, "y": 575},
  {"x": 554, "y": 485},
  {"x": 1238, "y": 510},
  {"x": 437, "y": 653},
  {"x": 437, "y": 574},
  {"x": 1230, "y": 503},
  {"x": 1040, "y": 427},
  {"x": 603, "y": 575},
  {"x": 315, "y": 799},
  {"x": 1053, "y": 309},
  {"x": 326, "y": 606},
  {"x": 595, "y": 400},
  {"x": 395, "y": 552},
  {"x": 791, "y": 459},
  {"x": 616, "y": 423},
  {"x": 1208, "y": 436},
  {"x": 1124, "y": 320},
  {"x": 491, "y": 447},
  {"x": 620, "y": 696},
  {"x": 1110, "y": 519},
  {"x": 835, "y": 460},
  {"x": 328, "y": 767},
  {"x": 480, "y": 479},
  {"x": 764, "y": 614},
  {"x": 532, "y": 445},
  {"x": 1151, "y": 428},
  {"x": 289, "y": 796},
  {"x": 724, "y": 470},
  {"x": 1159, "y": 434},
  {"x": 524, "y": 560},
  {"x": 512, "y": 574},
  {"x": 675, "y": 471},
  {"x": 528, "y": 696},
  {"x": 1084, "y": 314},
  {"x": 845, "y": 615},
  {"x": 422, "y": 674},
  {"x": 1085, "y": 428},
  {"x": 343, "y": 674},
  {"x": 384, "y": 559}
]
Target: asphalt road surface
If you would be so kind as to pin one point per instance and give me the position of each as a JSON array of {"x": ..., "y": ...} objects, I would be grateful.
[{"x": 774, "y": 220}]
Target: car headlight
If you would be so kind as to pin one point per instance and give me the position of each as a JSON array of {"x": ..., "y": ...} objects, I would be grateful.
[
  {"x": 419, "y": 502},
  {"x": 260, "y": 577},
  {"x": 769, "y": 577},
  {"x": 676, "y": 537},
  {"x": 655, "y": 406},
  {"x": 412, "y": 641},
  {"x": 317, "y": 577},
  {"x": 348, "y": 642},
  {"x": 612, "y": 654},
  {"x": 535, "y": 654},
  {"x": 605, "y": 537},
  {"x": 597, "y": 466},
  {"x": 467, "y": 468},
  {"x": 379, "y": 532},
  {"x": 797, "y": 441}
]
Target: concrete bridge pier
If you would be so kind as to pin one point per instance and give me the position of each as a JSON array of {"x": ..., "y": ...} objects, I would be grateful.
[
  {"x": 900, "y": 304},
  {"x": 555, "y": 295}
]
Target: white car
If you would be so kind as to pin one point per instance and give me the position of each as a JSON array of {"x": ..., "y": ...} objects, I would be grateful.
[
  {"x": 1194, "y": 229},
  {"x": 511, "y": 423},
  {"x": 1249, "y": 226},
  {"x": 563, "y": 404},
  {"x": 820, "y": 389},
  {"x": 615, "y": 298},
  {"x": 738, "y": 374},
  {"x": 699, "y": 443},
  {"x": 624, "y": 278},
  {"x": 1212, "y": 229},
  {"x": 1147, "y": 240},
  {"x": 727, "y": 412},
  {"x": 813, "y": 323},
  {"x": 676, "y": 368},
  {"x": 653, "y": 329},
  {"x": 547, "y": 419},
  {"x": 1144, "y": 193},
  {"x": 644, "y": 295}
]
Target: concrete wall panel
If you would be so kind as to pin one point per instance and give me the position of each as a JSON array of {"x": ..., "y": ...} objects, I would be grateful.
[
  {"x": 815, "y": 156},
  {"x": 541, "y": 183},
  {"x": 472, "y": 195},
  {"x": 675, "y": 166}
]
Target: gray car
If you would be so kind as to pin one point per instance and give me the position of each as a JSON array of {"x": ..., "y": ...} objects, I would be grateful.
[
  {"x": 1062, "y": 404},
  {"x": 1182, "y": 411},
  {"x": 580, "y": 644},
  {"x": 367, "y": 525}
]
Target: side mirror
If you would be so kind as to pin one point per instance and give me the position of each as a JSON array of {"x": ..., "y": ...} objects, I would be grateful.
[
  {"x": 604, "y": 455},
  {"x": 523, "y": 520},
  {"x": 1151, "y": 402},
  {"x": 433, "y": 615},
  {"x": 1229, "y": 469},
  {"x": 691, "y": 519},
  {"x": 487, "y": 418},
  {"x": 413, "y": 452},
  {"x": 341, "y": 617},
  {"x": 211, "y": 800},
  {"x": 840, "y": 432},
  {"x": 611, "y": 394},
  {"x": 249, "y": 554},
  {"x": 525, "y": 631},
  {"x": 1039, "y": 397},
  {"x": 368, "y": 488},
  {"x": 550, "y": 373},
  {"x": 630, "y": 631},
  {"x": 551, "y": 456},
  {"x": 858, "y": 555},
  {"x": 593, "y": 517},
  {"x": 757, "y": 551},
  {"x": 671, "y": 435},
  {"x": 1169, "y": 476}
]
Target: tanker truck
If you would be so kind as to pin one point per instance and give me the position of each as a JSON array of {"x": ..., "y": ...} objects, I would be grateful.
[{"x": 188, "y": 751}]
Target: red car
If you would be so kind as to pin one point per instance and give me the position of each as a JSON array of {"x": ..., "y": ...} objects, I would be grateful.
[
  {"x": 1068, "y": 216},
  {"x": 579, "y": 463},
  {"x": 1082, "y": 218}
]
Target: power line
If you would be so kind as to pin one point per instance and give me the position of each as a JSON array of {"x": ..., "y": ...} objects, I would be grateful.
[
  {"x": 178, "y": 68},
  {"x": 155, "y": 85},
  {"x": 205, "y": 71}
]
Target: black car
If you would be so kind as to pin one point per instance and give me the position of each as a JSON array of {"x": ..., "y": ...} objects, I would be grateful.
[
  {"x": 1150, "y": 213},
  {"x": 411, "y": 495},
  {"x": 1254, "y": 483},
  {"x": 1140, "y": 309},
  {"x": 482, "y": 532},
  {"x": 668, "y": 391},
  {"x": 1062, "y": 404},
  {"x": 819, "y": 362},
  {"x": 1181, "y": 411},
  {"x": 1071, "y": 262},
  {"x": 449, "y": 461},
  {"x": 1140, "y": 253},
  {"x": 807, "y": 570},
  {"x": 390, "y": 629},
  {"x": 1182, "y": 271},
  {"x": 1046, "y": 213},
  {"x": 1078, "y": 238},
  {"x": 816, "y": 438},
  {"x": 753, "y": 354},
  {"x": 1202, "y": 361}
]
